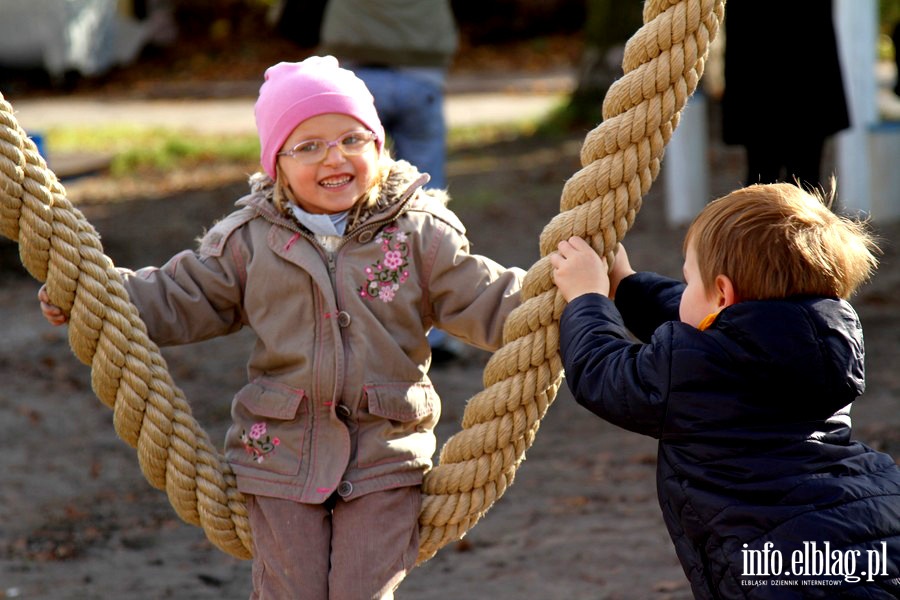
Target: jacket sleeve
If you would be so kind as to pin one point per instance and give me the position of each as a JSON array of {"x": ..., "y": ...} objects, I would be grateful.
[
  {"x": 646, "y": 301},
  {"x": 617, "y": 379},
  {"x": 469, "y": 296},
  {"x": 196, "y": 295}
]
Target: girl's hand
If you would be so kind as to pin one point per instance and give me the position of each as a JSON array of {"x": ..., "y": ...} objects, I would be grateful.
[
  {"x": 578, "y": 270},
  {"x": 52, "y": 313}
]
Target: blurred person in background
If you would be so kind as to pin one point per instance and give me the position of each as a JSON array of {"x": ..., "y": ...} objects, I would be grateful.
[{"x": 784, "y": 92}]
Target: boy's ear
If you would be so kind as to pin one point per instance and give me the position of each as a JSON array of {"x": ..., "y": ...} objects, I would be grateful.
[{"x": 724, "y": 291}]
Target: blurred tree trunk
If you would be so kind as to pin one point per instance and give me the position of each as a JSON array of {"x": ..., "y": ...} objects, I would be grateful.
[{"x": 608, "y": 25}]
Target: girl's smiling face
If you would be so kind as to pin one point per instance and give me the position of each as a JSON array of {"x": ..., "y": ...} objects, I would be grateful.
[{"x": 335, "y": 183}]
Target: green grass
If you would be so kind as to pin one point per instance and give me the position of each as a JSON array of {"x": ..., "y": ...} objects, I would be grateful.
[
  {"x": 154, "y": 150},
  {"x": 473, "y": 136}
]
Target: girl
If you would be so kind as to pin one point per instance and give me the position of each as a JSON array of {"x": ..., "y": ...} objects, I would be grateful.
[{"x": 340, "y": 262}]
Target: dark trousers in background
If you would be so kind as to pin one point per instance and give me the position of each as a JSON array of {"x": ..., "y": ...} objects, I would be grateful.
[{"x": 784, "y": 160}]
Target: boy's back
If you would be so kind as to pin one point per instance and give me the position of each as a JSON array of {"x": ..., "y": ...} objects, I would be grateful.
[{"x": 754, "y": 431}]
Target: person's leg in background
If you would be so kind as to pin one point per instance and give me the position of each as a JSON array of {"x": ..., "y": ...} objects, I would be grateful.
[
  {"x": 419, "y": 130},
  {"x": 764, "y": 162},
  {"x": 411, "y": 108},
  {"x": 895, "y": 38},
  {"x": 795, "y": 158},
  {"x": 803, "y": 160}
]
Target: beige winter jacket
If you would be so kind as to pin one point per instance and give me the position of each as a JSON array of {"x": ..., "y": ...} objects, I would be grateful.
[{"x": 338, "y": 398}]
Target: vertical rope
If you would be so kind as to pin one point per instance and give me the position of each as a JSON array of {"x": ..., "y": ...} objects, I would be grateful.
[{"x": 620, "y": 159}]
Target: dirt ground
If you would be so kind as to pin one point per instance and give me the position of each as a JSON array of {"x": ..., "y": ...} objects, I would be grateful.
[{"x": 78, "y": 521}]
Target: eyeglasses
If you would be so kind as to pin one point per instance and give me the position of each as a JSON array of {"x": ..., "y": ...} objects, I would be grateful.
[{"x": 310, "y": 152}]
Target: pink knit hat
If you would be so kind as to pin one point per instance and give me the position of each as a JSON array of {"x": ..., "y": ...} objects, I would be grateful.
[{"x": 294, "y": 92}]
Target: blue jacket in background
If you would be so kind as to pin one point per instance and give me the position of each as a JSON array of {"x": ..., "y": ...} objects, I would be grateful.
[{"x": 753, "y": 421}]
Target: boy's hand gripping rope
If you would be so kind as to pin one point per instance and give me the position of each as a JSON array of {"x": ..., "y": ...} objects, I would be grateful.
[{"x": 662, "y": 66}]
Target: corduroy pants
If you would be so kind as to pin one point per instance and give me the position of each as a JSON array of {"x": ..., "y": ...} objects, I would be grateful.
[{"x": 339, "y": 550}]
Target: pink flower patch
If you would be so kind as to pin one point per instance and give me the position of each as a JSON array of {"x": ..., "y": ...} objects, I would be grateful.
[
  {"x": 258, "y": 443},
  {"x": 383, "y": 278},
  {"x": 257, "y": 431},
  {"x": 393, "y": 259},
  {"x": 386, "y": 293}
]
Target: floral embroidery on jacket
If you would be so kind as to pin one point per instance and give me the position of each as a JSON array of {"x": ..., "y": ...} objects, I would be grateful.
[
  {"x": 385, "y": 276},
  {"x": 258, "y": 443}
]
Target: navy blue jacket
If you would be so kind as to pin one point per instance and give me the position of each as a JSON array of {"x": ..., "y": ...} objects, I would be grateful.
[{"x": 752, "y": 417}]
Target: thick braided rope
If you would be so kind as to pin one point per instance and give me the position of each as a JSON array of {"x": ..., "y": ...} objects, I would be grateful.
[
  {"x": 128, "y": 373},
  {"x": 663, "y": 63}
]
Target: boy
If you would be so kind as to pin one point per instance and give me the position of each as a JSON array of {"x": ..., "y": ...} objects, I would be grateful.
[{"x": 746, "y": 374}]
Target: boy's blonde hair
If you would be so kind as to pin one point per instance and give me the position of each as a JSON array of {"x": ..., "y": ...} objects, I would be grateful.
[{"x": 778, "y": 240}]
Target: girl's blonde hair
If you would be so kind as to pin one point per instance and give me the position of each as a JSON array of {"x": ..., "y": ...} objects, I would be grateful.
[{"x": 778, "y": 240}]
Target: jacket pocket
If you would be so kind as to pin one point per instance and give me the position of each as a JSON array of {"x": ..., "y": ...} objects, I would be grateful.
[
  {"x": 270, "y": 423},
  {"x": 396, "y": 423}
]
